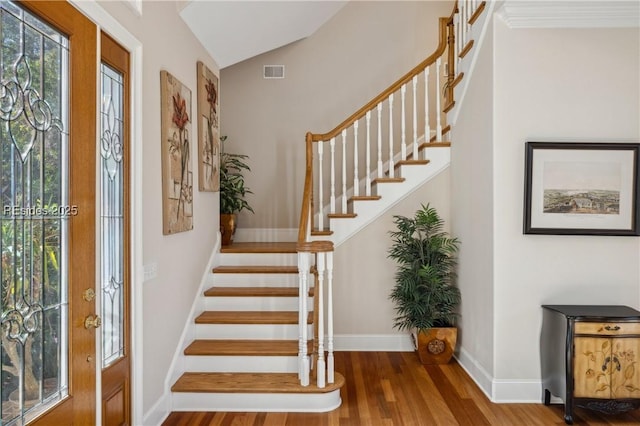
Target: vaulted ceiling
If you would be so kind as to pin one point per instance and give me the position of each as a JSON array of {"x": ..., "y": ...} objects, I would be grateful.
[{"x": 233, "y": 31}]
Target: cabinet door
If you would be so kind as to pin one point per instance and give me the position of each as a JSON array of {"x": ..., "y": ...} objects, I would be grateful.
[
  {"x": 625, "y": 377},
  {"x": 593, "y": 370}
]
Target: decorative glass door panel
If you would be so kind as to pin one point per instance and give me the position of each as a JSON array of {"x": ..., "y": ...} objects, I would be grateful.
[
  {"x": 112, "y": 215},
  {"x": 47, "y": 219},
  {"x": 35, "y": 212}
]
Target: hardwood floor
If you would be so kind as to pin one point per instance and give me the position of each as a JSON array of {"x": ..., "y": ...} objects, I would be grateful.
[{"x": 394, "y": 389}]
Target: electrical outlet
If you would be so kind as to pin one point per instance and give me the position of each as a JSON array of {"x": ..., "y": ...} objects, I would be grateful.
[{"x": 150, "y": 271}]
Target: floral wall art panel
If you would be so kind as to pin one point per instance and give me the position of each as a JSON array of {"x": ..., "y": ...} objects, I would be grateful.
[
  {"x": 208, "y": 130},
  {"x": 177, "y": 174}
]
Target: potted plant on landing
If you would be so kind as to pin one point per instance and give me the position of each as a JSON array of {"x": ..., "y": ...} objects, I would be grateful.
[
  {"x": 424, "y": 294},
  {"x": 232, "y": 191}
]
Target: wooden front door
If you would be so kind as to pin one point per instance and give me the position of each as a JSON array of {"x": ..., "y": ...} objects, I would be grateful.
[
  {"x": 47, "y": 164},
  {"x": 114, "y": 233}
]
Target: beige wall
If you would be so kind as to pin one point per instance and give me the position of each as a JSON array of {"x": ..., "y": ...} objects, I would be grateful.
[
  {"x": 562, "y": 89},
  {"x": 570, "y": 85},
  {"x": 181, "y": 258},
  {"x": 472, "y": 215},
  {"x": 357, "y": 54}
]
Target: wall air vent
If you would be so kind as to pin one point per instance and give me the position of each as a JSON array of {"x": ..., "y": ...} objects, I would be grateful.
[{"x": 273, "y": 71}]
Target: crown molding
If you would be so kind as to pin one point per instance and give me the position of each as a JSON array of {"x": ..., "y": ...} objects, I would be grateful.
[{"x": 570, "y": 14}]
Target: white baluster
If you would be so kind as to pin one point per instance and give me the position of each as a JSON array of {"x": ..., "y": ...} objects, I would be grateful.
[
  {"x": 320, "y": 371},
  {"x": 380, "y": 172},
  {"x": 458, "y": 43},
  {"x": 403, "y": 147},
  {"x": 332, "y": 197},
  {"x": 427, "y": 127},
  {"x": 330, "y": 362},
  {"x": 303, "y": 291},
  {"x": 391, "y": 165},
  {"x": 367, "y": 181},
  {"x": 438, "y": 110},
  {"x": 356, "y": 182},
  {"x": 344, "y": 171},
  {"x": 463, "y": 24},
  {"x": 415, "y": 117},
  {"x": 320, "y": 186}
]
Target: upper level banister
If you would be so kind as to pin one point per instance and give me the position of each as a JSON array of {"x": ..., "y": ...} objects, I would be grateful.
[
  {"x": 305, "y": 212},
  {"x": 442, "y": 46}
]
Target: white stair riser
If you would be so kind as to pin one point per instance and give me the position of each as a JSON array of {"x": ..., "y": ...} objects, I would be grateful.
[
  {"x": 251, "y": 402},
  {"x": 245, "y": 364},
  {"x": 253, "y": 303},
  {"x": 391, "y": 193},
  {"x": 265, "y": 259},
  {"x": 248, "y": 331},
  {"x": 255, "y": 280}
]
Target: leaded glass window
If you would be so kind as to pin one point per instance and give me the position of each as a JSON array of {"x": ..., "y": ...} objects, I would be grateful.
[
  {"x": 34, "y": 63},
  {"x": 112, "y": 214}
]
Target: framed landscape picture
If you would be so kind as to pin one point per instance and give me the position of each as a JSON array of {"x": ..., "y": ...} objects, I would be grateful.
[
  {"x": 581, "y": 188},
  {"x": 208, "y": 130},
  {"x": 177, "y": 174}
]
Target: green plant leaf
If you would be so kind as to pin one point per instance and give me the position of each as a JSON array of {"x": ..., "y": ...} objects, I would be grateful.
[{"x": 424, "y": 292}]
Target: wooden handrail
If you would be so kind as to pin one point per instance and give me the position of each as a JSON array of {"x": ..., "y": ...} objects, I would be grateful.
[
  {"x": 305, "y": 212},
  {"x": 442, "y": 46}
]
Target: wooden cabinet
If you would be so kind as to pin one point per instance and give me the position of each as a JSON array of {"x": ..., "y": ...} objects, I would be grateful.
[{"x": 590, "y": 357}]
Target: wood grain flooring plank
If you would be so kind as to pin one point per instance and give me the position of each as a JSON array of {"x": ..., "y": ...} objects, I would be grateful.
[{"x": 398, "y": 391}]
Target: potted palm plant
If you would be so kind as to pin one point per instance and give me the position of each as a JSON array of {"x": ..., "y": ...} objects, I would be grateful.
[
  {"x": 424, "y": 294},
  {"x": 232, "y": 191}
]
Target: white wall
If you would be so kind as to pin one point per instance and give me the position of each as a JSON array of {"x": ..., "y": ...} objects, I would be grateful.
[
  {"x": 181, "y": 259},
  {"x": 556, "y": 85},
  {"x": 472, "y": 217},
  {"x": 363, "y": 49}
]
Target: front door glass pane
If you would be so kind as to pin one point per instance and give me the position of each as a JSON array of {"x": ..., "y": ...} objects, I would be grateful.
[
  {"x": 34, "y": 63},
  {"x": 112, "y": 214}
]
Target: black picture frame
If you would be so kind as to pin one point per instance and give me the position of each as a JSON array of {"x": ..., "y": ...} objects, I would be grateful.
[{"x": 575, "y": 188}]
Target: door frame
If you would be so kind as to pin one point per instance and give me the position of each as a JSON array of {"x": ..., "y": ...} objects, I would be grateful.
[{"x": 107, "y": 23}]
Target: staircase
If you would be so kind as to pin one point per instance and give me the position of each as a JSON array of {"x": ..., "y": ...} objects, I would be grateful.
[
  {"x": 255, "y": 345},
  {"x": 245, "y": 353}
]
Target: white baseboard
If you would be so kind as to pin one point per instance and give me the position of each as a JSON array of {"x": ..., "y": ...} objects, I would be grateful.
[
  {"x": 499, "y": 390},
  {"x": 259, "y": 235},
  {"x": 478, "y": 374},
  {"x": 373, "y": 342},
  {"x": 517, "y": 391},
  {"x": 159, "y": 412}
]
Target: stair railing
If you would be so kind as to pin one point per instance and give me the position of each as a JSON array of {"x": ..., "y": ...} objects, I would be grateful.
[
  {"x": 390, "y": 129},
  {"x": 390, "y": 126}
]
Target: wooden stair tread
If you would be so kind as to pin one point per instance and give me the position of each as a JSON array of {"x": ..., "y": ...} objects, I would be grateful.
[
  {"x": 341, "y": 215},
  {"x": 477, "y": 13},
  {"x": 365, "y": 198},
  {"x": 250, "y": 317},
  {"x": 449, "y": 106},
  {"x": 389, "y": 180},
  {"x": 255, "y": 269},
  {"x": 250, "y": 383},
  {"x": 321, "y": 232},
  {"x": 212, "y": 347},
  {"x": 435, "y": 145},
  {"x": 457, "y": 80},
  {"x": 273, "y": 247},
  {"x": 466, "y": 49},
  {"x": 408, "y": 162},
  {"x": 253, "y": 292}
]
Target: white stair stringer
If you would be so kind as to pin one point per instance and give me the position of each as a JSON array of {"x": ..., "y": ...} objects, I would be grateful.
[
  {"x": 391, "y": 193},
  {"x": 243, "y": 401}
]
